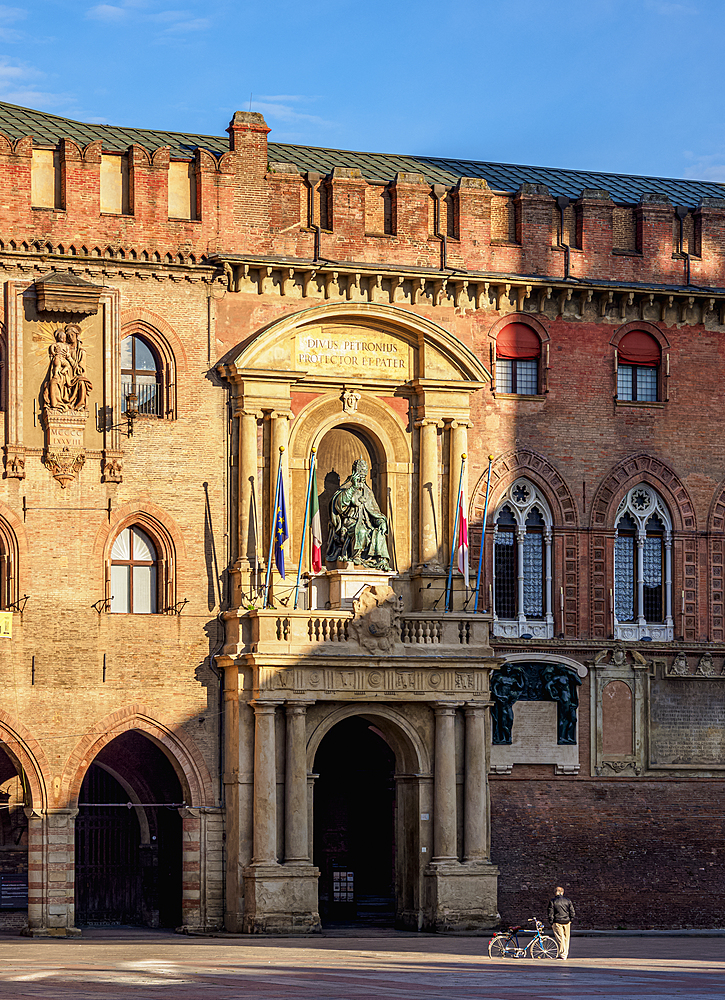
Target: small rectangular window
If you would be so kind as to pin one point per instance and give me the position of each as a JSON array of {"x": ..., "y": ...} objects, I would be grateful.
[
  {"x": 521, "y": 377},
  {"x": 45, "y": 179},
  {"x": 182, "y": 190},
  {"x": 637, "y": 383},
  {"x": 115, "y": 187}
]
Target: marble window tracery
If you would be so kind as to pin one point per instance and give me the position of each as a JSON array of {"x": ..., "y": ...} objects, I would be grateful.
[
  {"x": 522, "y": 542},
  {"x": 643, "y": 567}
]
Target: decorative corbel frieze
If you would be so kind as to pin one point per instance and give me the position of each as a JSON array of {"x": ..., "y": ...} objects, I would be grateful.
[
  {"x": 545, "y": 296},
  {"x": 417, "y": 290},
  {"x": 286, "y": 280},
  {"x": 687, "y": 304},
  {"x": 605, "y": 301}
]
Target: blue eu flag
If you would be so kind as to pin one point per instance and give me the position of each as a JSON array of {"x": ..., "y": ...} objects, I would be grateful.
[{"x": 281, "y": 533}]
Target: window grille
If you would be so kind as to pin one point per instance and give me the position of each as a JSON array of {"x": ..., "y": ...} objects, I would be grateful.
[
  {"x": 141, "y": 374},
  {"x": 521, "y": 377},
  {"x": 505, "y": 571}
]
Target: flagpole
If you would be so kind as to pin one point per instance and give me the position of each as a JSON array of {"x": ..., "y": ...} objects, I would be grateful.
[
  {"x": 273, "y": 527},
  {"x": 483, "y": 536},
  {"x": 449, "y": 584},
  {"x": 304, "y": 527}
]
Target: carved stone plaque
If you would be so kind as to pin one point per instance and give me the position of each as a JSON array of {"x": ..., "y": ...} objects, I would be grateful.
[
  {"x": 534, "y": 741},
  {"x": 352, "y": 351},
  {"x": 687, "y": 724},
  {"x": 64, "y": 451}
]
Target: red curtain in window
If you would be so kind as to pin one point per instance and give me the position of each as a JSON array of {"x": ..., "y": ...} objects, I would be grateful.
[
  {"x": 519, "y": 342},
  {"x": 639, "y": 348}
]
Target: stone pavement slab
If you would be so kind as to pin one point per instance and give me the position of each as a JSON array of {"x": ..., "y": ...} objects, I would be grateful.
[{"x": 144, "y": 965}]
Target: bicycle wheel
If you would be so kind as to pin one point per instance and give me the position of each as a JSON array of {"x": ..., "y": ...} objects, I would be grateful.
[
  {"x": 544, "y": 947},
  {"x": 498, "y": 947}
]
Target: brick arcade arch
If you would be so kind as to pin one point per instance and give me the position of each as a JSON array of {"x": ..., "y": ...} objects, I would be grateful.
[{"x": 180, "y": 777}]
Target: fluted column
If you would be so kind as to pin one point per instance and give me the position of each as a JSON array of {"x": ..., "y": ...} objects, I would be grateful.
[
  {"x": 428, "y": 473},
  {"x": 265, "y": 783},
  {"x": 474, "y": 793},
  {"x": 296, "y": 843},
  {"x": 445, "y": 840},
  {"x": 247, "y": 483}
]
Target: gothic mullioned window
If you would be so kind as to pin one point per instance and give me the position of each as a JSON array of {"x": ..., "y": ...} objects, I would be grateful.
[
  {"x": 643, "y": 567},
  {"x": 523, "y": 563}
]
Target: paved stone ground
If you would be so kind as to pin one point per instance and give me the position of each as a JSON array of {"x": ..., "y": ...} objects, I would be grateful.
[{"x": 147, "y": 965}]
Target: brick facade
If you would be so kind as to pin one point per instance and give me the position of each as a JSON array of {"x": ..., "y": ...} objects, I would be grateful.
[{"x": 270, "y": 239}]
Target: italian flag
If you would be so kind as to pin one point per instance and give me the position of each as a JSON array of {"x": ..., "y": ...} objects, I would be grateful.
[
  {"x": 462, "y": 538},
  {"x": 315, "y": 526}
]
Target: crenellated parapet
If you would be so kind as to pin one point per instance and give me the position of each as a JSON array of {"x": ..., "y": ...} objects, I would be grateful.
[{"x": 242, "y": 197}]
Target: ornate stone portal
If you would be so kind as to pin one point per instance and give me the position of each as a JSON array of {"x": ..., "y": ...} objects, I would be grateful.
[{"x": 378, "y": 645}]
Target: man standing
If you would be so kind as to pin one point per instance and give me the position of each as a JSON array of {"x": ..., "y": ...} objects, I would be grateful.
[{"x": 561, "y": 914}]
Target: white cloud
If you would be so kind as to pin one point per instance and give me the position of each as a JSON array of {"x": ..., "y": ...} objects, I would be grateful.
[
  {"x": 106, "y": 12},
  {"x": 20, "y": 84},
  {"x": 278, "y": 111},
  {"x": 191, "y": 24},
  {"x": 707, "y": 167},
  {"x": 173, "y": 21},
  {"x": 12, "y": 13}
]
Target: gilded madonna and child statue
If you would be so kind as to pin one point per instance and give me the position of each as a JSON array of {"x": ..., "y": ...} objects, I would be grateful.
[{"x": 358, "y": 528}]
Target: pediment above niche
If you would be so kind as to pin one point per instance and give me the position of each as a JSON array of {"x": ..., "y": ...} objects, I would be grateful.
[{"x": 358, "y": 343}]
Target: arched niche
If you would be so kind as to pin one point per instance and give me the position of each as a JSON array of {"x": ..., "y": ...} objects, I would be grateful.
[{"x": 394, "y": 377}]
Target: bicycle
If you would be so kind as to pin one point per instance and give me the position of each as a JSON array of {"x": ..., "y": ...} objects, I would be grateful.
[{"x": 506, "y": 944}]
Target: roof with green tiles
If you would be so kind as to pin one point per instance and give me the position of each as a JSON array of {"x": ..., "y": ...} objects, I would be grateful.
[{"x": 47, "y": 129}]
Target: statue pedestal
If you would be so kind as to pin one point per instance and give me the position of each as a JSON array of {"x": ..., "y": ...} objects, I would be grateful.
[
  {"x": 64, "y": 448},
  {"x": 348, "y": 581}
]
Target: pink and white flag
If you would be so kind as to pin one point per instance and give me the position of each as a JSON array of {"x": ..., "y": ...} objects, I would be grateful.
[
  {"x": 315, "y": 525},
  {"x": 462, "y": 537}
]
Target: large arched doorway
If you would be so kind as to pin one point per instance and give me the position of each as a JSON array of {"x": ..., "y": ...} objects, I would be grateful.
[
  {"x": 128, "y": 837},
  {"x": 14, "y": 796},
  {"x": 354, "y": 824}
]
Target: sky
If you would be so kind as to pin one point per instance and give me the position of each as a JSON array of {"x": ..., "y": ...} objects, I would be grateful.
[{"x": 631, "y": 86}]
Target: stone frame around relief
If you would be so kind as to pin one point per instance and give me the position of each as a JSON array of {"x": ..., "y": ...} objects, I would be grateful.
[
  {"x": 110, "y": 394},
  {"x": 636, "y": 676},
  {"x": 544, "y": 748}
]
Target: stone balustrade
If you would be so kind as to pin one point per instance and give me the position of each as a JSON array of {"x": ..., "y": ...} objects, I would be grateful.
[{"x": 281, "y": 631}]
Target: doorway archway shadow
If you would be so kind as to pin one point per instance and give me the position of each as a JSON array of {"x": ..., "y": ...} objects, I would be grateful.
[
  {"x": 128, "y": 857},
  {"x": 354, "y": 825}
]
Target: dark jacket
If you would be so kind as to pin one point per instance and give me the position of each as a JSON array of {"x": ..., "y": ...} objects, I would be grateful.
[{"x": 561, "y": 910}]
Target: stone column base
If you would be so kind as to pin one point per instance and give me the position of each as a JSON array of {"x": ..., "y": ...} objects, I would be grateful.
[
  {"x": 461, "y": 897},
  {"x": 281, "y": 899}
]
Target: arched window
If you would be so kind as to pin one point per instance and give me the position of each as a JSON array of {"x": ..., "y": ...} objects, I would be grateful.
[
  {"x": 134, "y": 578},
  {"x": 523, "y": 564},
  {"x": 638, "y": 363},
  {"x": 643, "y": 567},
  {"x": 518, "y": 350},
  {"x": 141, "y": 375}
]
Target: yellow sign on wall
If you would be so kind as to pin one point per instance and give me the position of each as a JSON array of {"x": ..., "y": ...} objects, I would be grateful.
[{"x": 6, "y": 624}]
